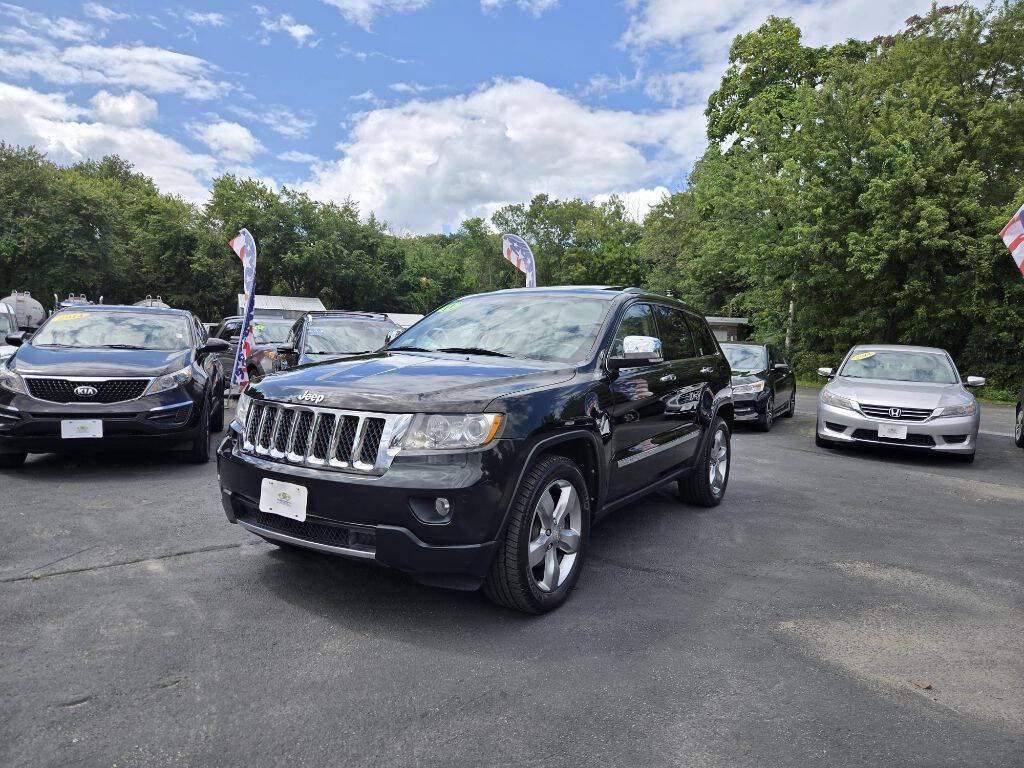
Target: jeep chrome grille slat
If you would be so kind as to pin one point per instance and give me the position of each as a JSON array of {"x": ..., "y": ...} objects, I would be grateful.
[{"x": 309, "y": 436}]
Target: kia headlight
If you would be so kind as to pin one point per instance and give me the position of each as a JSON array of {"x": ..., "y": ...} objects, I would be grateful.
[
  {"x": 242, "y": 409},
  {"x": 748, "y": 389},
  {"x": 450, "y": 431},
  {"x": 838, "y": 401},
  {"x": 170, "y": 381},
  {"x": 11, "y": 381},
  {"x": 962, "y": 409}
]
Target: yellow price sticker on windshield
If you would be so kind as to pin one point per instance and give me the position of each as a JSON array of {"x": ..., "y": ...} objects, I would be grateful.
[
  {"x": 863, "y": 355},
  {"x": 449, "y": 307},
  {"x": 68, "y": 316}
]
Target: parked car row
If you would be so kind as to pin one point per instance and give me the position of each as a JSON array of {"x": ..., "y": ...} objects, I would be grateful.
[{"x": 474, "y": 449}]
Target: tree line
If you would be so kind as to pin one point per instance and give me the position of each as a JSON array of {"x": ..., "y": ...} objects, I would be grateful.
[{"x": 862, "y": 184}]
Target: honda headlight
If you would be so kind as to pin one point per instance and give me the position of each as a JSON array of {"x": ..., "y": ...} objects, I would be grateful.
[
  {"x": 838, "y": 401},
  {"x": 242, "y": 409},
  {"x": 963, "y": 409},
  {"x": 170, "y": 381},
  {"x": 11, "y": 381},
  {"x": 748, "y": 389},
  {"x": 451, "y": 431}
]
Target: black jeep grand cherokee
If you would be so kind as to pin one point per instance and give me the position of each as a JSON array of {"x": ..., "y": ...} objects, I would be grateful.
[{"x": 480, "y": 445}]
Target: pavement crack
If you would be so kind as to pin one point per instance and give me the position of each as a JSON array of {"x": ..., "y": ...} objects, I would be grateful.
[
  {"x": 36, "y": 575},
  {"x": 76, "y": 702}
]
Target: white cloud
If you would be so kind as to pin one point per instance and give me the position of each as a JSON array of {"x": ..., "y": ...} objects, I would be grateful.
[
  {"x": 210, "y": 19},
  {"x": 293, "y": 156},
  {"x": 415, "y": 87},
  {"x": 637, "y": 202},
  {"x": 104, "y": 14},
  {"x": 423, "y": 165},
  {"x": 157, "y": 70},
  {"x": 536, "y": 7},
  {"x": 287, "y": 123},
  {"x": 230, "y": 140},
  {"x": 57, "y": 127},
  {"x": 363, "y": 12},
  {"x": 284, "y": 23},
  {"x": 61, "y": 28},
  {"x": 702, "y": 32},
  {"x": 132, "y": 108}
]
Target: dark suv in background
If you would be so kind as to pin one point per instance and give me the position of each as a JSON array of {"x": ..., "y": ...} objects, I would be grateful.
[
  {"x": 318, "y": 337},
  {"x": 480, "y": 446},
  {"x": 97, "y": 376}
]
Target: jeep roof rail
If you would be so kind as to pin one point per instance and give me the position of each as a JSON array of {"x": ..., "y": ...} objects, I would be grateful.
[{"x": 347, "y": 313}]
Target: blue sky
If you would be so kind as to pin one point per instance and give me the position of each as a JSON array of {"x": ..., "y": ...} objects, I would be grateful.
[{"x": 425, "y": 112}]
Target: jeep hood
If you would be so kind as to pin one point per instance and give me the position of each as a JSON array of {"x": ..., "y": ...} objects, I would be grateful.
[{"x": 408, "y": 382}]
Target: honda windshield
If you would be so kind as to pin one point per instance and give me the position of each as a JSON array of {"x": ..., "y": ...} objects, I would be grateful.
[
  {"x": 118, "y": 330},
  {"x": 899, "y": 365},
  {"x": 556, "y": 328}
]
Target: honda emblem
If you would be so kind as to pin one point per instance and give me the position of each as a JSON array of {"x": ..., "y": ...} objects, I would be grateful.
[{"x": 895, "y": 413}]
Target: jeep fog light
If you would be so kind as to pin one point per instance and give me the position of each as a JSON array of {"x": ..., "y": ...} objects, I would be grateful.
[{"x": 442, "y": 507}]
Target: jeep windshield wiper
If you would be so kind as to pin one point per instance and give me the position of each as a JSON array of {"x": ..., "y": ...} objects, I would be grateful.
[
  {"x": 120, "y": 346},
  {"x": 472, "y": 351},
  {"x": 409, "y": 349}
]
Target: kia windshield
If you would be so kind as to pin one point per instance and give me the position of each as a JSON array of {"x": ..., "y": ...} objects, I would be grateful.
[
  {"x": 115, "y": 330},
  {"x": 345, "y": 337},
  {"x": 746, "y": 357},
  {"x": 893, "y": 365},
  {"x": 557, "y": 328}
]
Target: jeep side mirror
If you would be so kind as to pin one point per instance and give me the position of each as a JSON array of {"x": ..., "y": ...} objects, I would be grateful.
[
  {"x": 636, "y": 351},
  {"x": 826, "y": 372},
  {"x": 15, "y": 339},
  {"x": 972, "y": 381}
]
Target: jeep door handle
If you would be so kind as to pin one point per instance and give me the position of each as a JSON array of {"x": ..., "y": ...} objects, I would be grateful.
[
  {"x": 669, "y": 377},
  {"x": 707, "y": 369}
]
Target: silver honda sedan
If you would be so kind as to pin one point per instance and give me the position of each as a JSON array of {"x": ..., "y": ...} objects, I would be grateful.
[{"x": 898, "y": 395}]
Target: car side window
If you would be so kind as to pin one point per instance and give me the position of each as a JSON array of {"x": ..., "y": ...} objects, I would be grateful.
[
  {"x": 230, "y": 328},
  {"x": 676, "y": 339},
  {"x": 200, "y": 330},
  {"x": 704, "y": 338},
  {"x": 293, "y": 335},
  {"x": 638, "y": 321}
]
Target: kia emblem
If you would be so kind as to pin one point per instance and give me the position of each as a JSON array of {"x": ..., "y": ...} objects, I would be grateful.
[
  {"x": 86, "y": 391},
  {"x": 895, "y": 413}
]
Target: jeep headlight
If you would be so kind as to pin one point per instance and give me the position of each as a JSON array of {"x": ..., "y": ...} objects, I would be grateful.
[
  {"x": 170, "y": 381},
  {"x": 11, "y": 381},
  {"x": 450, "y": 431},
  {"x": 748, "y": 389},
  {"x": 242, "y": 409},
  {"x": 963, "y": 409},
  {"x": 838, "y": 401}
]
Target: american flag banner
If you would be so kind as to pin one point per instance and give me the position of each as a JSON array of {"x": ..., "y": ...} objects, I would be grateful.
[
  {"x": 245, "y": 247},
  {"x": 517, "y": 251},
  {"x": 1013, "y": 236}
]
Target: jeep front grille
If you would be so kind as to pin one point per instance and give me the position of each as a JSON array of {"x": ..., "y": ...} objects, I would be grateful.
[{"x": 324, "y": 438}]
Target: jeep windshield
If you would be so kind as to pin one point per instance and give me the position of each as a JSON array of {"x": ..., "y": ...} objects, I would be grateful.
[
  {"x": 345, "y": 337},
  {"x": 535, "y": 326},
  {"x": 117, "y": 330}
]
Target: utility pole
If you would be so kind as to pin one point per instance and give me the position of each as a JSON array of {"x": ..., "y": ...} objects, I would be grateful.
[{"x": 789, "y": 326}]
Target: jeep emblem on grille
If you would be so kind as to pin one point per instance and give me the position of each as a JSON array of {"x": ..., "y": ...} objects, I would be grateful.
[
  {"x": 895, "y": 413},
  {"x": 311, "y": 397},
  {"x": 86, "y": 391}
]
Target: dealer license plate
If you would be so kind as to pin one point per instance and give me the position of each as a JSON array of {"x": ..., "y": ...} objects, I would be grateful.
[
  {"x": 284, "y": 499},
  {"x": 895, "y": 431},
  {"x": 76, "y": 428}
]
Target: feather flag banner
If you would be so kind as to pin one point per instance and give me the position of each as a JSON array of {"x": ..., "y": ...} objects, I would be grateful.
[{"x": 245, "y": 247}]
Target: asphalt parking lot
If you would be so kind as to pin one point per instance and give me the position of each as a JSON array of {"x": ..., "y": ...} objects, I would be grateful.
[{"x": 841, "y": 608}]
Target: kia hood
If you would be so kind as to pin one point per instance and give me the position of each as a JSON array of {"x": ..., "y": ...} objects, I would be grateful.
[
  {"x": 899, "y": 394},
  {"x": 86, "y": 361},
  {"x": 401, "y": 382}
]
